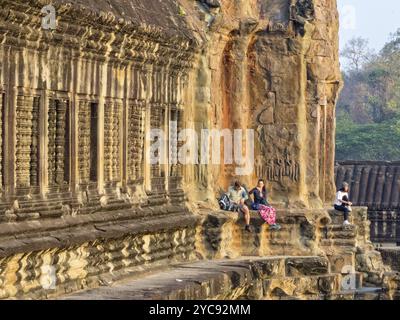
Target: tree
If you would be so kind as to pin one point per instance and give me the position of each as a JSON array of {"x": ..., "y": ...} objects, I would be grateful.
[
  {"x": 357, "y": 52},
  {"x": 368, "y": 112}
]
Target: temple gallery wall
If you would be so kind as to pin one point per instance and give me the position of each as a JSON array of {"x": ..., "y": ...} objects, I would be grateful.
[
  {"x": 77, "y": 101},
  {"x": 78, "y": 192}
]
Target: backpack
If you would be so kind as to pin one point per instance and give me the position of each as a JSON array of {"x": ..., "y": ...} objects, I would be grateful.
[{"x": 224, "y": 203}]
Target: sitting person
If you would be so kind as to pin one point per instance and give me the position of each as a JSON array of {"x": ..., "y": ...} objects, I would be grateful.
[
  {"x": 342, "y": 202},
  {"x": 259, "y": 194},
  {"x": 237, "y": 196},
  {"x": 262, "y": 206}
]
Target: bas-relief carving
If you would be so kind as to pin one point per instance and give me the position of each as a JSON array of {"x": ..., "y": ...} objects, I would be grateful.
[
  {"x": 278, "y": 168},
  {"x": 266, "y": 116}
]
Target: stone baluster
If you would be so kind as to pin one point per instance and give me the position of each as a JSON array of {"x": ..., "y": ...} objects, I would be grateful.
[
  {"x": 355, "y": 190},
  {"x": 23, "y": 140},
  {"x": 52, "y": 132},
  {"x": 108, "y": 141},
  {"x": 387, "y": 189},
  {"x": 395, "y": 196},
  {"x": 156, "y": 124},
  {"x": 380, "y": 181},
  {"x": 173, "y": 143},
  {"x": 371, "y": 185},
  {"x": 84, "y": 141},
  {"x": 34, "y": 163},
  {"x": 132, "y": 136},
  {"x": 1, "y": 138},
  {"x": 61, "y": 110},
  {"x": 116, "y": 143},
  {"x": 136, "y": 141},
  {"x": 179, "y": 172},
  {"x": 340, "y": 172},
  {"x": 362, "y": 200}
]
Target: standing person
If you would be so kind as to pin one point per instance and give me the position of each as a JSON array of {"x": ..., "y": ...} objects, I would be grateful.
[
  {"x": 342, "y": 202},
  {"x": 238, "y": 195},
  {"x": 262, "y": 206}
]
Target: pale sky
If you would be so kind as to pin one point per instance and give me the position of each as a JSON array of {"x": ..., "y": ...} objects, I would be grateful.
[{"x": 370, "y": 19}]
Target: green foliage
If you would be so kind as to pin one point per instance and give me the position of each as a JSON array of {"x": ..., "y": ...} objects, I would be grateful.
[
  {"x": 368, "y": 112},
  {"x": 375, "y": 141}
]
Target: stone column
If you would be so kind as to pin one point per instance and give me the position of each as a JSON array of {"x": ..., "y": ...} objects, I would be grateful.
[
  {"x": 23, "y": 112},
  {"x": 1, "y": 139},
  {"x": 100, "y": 131},
  {"x": 74, "y": 125},
  {"x": 9, "y": 130},
  {"x": 125, "y": 128},
  {"x": 147, "y": 127},
  {"x": 166, "y": 120},
  {"x": 43, "y": 143}
]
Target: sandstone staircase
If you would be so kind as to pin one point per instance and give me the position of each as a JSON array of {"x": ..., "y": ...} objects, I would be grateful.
[
  {"x": 179, "y": 255},
  {"x": 254, "y": 278},
  {"x": 333, "y": 276}
]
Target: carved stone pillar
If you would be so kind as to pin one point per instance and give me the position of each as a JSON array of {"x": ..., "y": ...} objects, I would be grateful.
[
  {"x": 51, "y": 131},
  {"x": 157, "y": 172},
  {"x": 147, "y": 125},
  {"x": 1, "y": 138},
  {"x": 61, "y": 141},
  {"x": 84, "y": 142},
  {"x": 136, "y": 137},
  {"x": 108, "y": 140},
  {"x": 58, "y": 146},
  {"x": 35, "y": 138},
  {"x": 112, "y": 142},
  {"x": 24, "y": 112},
  {"x": 175, "y": 168}
]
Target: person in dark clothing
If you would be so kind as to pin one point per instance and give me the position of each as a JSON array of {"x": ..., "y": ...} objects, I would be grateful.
[
  {"x": 260, "y": 195},
  {"x": 262, "y": 206}
]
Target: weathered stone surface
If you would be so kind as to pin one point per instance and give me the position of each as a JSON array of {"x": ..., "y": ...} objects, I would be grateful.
[
  {"x": 80, "y": 202},
  {"x": 246, "y": 278},
  {"x": 391, "y": 257}
]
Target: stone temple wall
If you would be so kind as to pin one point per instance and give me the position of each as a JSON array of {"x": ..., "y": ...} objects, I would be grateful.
[
  {"x": 80, "y": 198},
  {"x": 77, "y": 102},
  {"x": 272, "y": 66}
]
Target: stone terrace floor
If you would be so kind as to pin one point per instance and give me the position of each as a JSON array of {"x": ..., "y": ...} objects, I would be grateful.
[{"x": 245, "y": 278}]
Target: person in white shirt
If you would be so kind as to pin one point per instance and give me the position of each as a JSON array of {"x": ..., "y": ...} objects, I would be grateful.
[
  {"x": 238, "y": 195},
  {"x": 342, "y": 202}
]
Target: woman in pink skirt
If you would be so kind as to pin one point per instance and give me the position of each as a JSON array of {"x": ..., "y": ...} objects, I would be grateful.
[{"x": 267, "y": 212}]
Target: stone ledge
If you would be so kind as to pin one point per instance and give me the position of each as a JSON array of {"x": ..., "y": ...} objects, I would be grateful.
[
  {"x": 64, "y": 232},
  {"x": 251, "y": 277}
]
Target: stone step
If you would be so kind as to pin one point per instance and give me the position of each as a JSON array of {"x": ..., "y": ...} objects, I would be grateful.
[
  {"x": 365, "y": 293},
  {"x": 38, "y": 209},
  {"x": 337, "y": 216},
  {"x": 345, "y": 234},
  {"x": 89, "y": 209},
  {"x": 340, "y": 227},
  {"x": 34, "y": 204},
  {"x": 247, "y": 277},
  {"x": 338, "y": 242}
]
